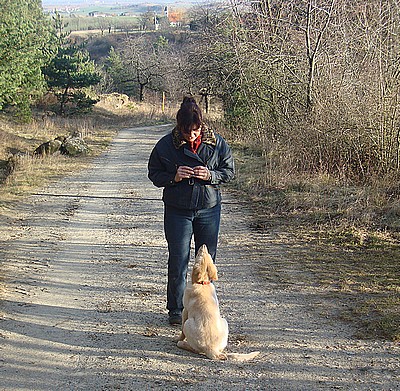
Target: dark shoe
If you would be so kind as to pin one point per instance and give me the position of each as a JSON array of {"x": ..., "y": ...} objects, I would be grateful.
[{"x": 175, "y": 319}]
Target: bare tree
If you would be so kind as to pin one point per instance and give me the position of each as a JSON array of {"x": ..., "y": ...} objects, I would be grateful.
[
  {"x": 317, "y": 22},
  {"x": 142, "y": 63}
]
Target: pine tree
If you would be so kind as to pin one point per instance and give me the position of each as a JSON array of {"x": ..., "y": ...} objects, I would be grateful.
[
  {"x": 24, "y": 49},
  {"x": 69, "y": 72}
]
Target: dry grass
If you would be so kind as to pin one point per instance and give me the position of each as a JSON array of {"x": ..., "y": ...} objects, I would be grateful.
[
  {"x": 366, "y": 210},
  {"x": 346, "y": 236},
  {"x": 97, "y": 129},
  {"x": 366, "y": 279}
]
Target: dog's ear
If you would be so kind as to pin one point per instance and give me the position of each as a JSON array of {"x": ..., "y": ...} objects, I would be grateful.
[
  {"x": 197, "y": 274},
  {"x": 212, "y": 271},
  {"x": 202, "y": 251}
]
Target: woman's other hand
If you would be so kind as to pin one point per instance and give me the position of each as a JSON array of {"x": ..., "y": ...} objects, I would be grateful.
[
  {"x": 184, "y": 172},
  {"x": 201, "y": 172}
]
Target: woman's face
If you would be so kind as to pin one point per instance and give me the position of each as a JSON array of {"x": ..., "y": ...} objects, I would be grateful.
[{"x": 193, "y": 134}]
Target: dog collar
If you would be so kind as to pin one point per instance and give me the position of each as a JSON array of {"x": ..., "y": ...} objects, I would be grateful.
[{"x": 204, "y": 282}]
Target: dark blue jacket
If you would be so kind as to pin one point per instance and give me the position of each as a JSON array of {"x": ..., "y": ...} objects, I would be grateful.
[{"x": 171, "y": 151}]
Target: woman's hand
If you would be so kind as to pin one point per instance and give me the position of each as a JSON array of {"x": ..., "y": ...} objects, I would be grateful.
[
  {"x": 199, "y": 172},
  {"x": 184, "y": 172},
  {"x": 202, "y": 172}
]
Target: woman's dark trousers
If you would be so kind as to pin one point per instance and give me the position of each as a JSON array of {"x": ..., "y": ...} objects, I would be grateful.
[{"x": 179, "y": 226}]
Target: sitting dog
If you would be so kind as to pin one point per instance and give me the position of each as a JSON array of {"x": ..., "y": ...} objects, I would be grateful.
[{"x": 204, "y": 331}]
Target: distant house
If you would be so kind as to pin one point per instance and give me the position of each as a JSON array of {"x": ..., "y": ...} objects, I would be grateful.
[
  {"x": 175, "y": 18},
  {"x": 97, "y": 14}
]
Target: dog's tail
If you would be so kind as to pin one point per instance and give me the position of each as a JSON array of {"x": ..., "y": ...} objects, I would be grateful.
[{"x": 242, "y": 356}]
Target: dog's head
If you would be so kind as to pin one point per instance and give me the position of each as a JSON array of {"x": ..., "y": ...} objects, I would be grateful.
[{"x": 204, "y": 269}]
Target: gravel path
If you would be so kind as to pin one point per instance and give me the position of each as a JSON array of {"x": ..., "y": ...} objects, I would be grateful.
[{"x": 84, "y": 268}]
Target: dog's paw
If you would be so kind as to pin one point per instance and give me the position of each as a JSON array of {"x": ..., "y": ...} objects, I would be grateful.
[
  {"x": 216, "y": 356},
  {"x": 178, "y": 338}
]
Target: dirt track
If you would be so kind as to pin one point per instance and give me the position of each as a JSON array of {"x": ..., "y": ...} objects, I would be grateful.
[{"x": 84, "y": 268}]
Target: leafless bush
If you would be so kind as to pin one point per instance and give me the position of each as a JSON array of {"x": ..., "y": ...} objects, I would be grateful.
[{"x": 315, "y": 81}]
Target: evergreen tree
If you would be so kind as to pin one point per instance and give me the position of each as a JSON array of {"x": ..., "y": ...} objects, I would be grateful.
[
  {"x": 118, "y": 72},
  {"x": 69, "y": 72},
  {"x": 24, "y": 49}
]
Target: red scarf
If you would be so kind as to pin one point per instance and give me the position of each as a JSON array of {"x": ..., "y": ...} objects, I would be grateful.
[{"x": 195, "y": 144}]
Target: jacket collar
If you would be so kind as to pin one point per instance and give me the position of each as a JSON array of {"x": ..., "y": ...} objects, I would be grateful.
[{"x": 207, "y": 137}]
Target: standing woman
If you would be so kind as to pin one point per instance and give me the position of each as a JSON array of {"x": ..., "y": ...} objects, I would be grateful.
[{"x": 190, "y": 163}]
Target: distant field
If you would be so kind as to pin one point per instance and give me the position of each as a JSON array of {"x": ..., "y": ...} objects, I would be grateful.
[
  {"x": 104, "y": 17},
  {"x": 114, "y": 17},
  {"x": 112, "y": 9},
  {"x": 134, "y": 9},
  {"x": 115, "y": 23}
]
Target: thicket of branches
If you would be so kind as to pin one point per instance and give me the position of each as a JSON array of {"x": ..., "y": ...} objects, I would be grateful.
[{"x": 315, "y": 81}]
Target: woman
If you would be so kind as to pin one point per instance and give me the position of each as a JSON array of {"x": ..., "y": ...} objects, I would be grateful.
[{"x": 189, "y": 163}]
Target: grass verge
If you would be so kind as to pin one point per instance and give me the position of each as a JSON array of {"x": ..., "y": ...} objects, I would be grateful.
[
  {"x": 345, "y": 237},
  {"x": 97, "y": 129}
]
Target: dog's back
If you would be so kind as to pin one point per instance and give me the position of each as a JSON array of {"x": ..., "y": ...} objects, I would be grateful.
[{"x": 204, "y": 328}]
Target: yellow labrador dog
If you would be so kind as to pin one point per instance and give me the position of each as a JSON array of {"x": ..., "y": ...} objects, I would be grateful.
[{"x": 204, "y": 331}]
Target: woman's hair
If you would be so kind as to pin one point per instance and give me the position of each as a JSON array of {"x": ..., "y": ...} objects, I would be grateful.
[{"x": 188, "y": 115}]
